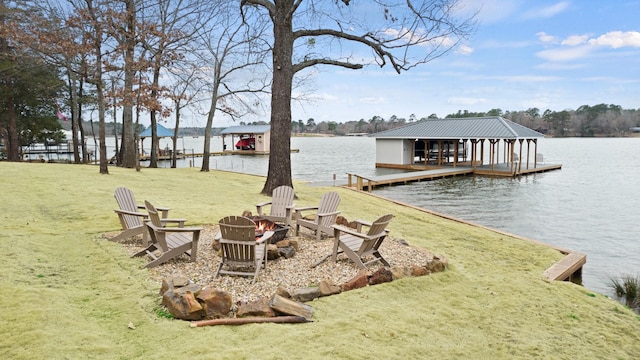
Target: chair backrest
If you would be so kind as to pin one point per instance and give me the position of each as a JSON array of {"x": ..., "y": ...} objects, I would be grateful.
[
  {"x": 126, "y": 201},
  {"x": 153, "y": 224},
  {"x": 329, "y": 203},
  {"x": 282, "y": 197},
  {"x": 380, "y": 225},
  {"x": 238, "y": 239}
]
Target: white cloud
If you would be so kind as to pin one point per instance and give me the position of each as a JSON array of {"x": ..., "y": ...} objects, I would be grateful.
[
  {"x": 617, "y": 39},
  {"x": 575, "y": 40},
  {"x": 464, "y": 50},
  {"x": 564, "y": 54},
  {"x": 466, "y": 101},
  {"x": 547, "y": 12},
  {"x": 546, "y": 38},
  {"x": 372, "y": 100}
]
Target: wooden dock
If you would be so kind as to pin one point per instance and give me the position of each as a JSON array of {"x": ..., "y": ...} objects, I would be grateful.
[
  {"x": 569, "y": 268},
  {"x": 360, "y": 182},
  {"x": 403, "y": 178}
]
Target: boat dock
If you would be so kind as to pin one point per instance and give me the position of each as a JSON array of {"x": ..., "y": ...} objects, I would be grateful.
[
  {"x": 403, "y": 178},
  {"x": 360, "y": 182}
]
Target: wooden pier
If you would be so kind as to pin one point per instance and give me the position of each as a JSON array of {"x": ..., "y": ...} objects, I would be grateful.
[
  {"x": 403, "y": 178},
  {"x": 360, "y": 182}
]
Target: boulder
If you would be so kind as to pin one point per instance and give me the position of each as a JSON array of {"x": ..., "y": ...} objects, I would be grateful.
[
  {"x": 283, "y": 292},
  {"x": 438, "y": 264},
  {"x": 400, "y": 272},
  {"x": 286, "y": 252},
  {"x": 259, "y": 308},
  {"x": 327, "y": 288},
  {"x": 382, "y": 275},
  {"x": 359, "y": 281},
  {"x": 305, "y": 294},
  {"x": 272, "y": 252},
  {"x": 215, "y": 303},
  {"x": 182, "y": 305},
  {"x": 419, "y": 271},
  {"x": 171, "y": 283}
]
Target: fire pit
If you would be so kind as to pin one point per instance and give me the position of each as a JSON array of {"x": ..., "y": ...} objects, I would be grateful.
[{"x": 263, "y": 225}]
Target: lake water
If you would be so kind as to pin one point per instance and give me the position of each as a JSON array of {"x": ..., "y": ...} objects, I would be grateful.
[{"x": 592, "y": 205}]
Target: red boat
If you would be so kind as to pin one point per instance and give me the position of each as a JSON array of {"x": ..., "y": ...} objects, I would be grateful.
[{"x": 248, "y": 143}]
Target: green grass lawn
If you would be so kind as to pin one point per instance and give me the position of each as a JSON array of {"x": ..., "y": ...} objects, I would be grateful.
[{"x": 67, "y": 293}]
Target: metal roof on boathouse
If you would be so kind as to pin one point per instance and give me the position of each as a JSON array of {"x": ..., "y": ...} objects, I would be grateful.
[{"x": 492, "y": 127}]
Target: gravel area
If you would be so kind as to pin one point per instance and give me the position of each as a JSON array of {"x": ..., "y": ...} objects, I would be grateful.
[{"x": 292, "y": 273}]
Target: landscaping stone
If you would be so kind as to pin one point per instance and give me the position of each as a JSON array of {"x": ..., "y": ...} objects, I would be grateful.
[
  {"x": 216, "y": 303},
  {"x": 305, "y": 294},
  {"x": 382, "y": 275},
  {"x": 327, "y": 288},
  {"x": 259, "y": 308},
  {"x": 359, "y": 281}
]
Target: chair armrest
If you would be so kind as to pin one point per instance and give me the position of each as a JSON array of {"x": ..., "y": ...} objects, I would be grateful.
[
  {"x": 163, "y": 210},
  {"x": 266, "y": 236},
  {"x": 173, "y": 221},
  {"x": 260, "y": 206},
  {"x": 329, "y": 213},
  {"x": 133, "y": 213},
  {"x": 290, "y": 207},
  {"x": 181, "y": 229},
  {"x": 348, "y": 230},
  {"x": 264, "y": 204},
  {"x": 305, "y": 208}
]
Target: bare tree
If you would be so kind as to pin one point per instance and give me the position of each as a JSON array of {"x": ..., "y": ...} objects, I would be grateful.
[
  {"x": 235, "y": 53},
  {"x": 411, "y": 33}
]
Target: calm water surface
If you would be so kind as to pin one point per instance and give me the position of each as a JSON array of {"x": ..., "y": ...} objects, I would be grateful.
[{"x": 592, "y": 205}]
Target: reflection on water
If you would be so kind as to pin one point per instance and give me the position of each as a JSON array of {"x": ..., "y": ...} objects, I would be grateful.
[{"x": 591, "y": 205}]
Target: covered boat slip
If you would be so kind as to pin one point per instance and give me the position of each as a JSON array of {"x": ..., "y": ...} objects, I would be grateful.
[{"x": 438, "y": 148}]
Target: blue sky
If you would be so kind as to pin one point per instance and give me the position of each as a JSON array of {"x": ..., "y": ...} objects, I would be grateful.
[{"x": 547, "y": 54}]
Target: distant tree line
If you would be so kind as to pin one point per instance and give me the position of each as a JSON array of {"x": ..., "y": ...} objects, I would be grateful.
[{"x": 597, "y": 120}]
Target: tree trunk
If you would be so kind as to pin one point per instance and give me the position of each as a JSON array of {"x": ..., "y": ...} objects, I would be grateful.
[
  {"x": 74, "y": 110},
  {"x": 175, "y": 136},
  {"x": 206, "y": 152},
  {"x": 280, "y": 153},
  {"x": 13, "y": 153},
  {"x": 128, "y": 149}
]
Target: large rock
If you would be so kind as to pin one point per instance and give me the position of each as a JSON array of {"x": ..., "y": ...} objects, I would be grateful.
[
  {"x": 359, "y": 281},
  {"x": 171, "y": 283},
  {"x": 182, "y": 304},
  {"x": 419, "y": 271},
  {"x": 305, "y": 294},
  {"x": 286, "y": 252},
  {"x": 258, "y": 308},
  {"x": 216, "y": 303},
  {"x": 400, "y": 272},
  {"x": 382, "y": 275},
  {"x": 327, "y": 288},
  {"x": 272, "y": 252},
  {"x": 438, "y": 264}
]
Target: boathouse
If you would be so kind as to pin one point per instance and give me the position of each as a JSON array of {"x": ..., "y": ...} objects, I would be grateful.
[
  {"x": 487, "y": 144},
  {"x": 161, "y": 132},
  {"x": 438, "y": 148},
  {"x": 246, "y": 139}
]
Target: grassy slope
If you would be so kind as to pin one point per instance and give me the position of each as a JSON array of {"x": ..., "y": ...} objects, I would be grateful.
[{"x": 68, "y": 293}]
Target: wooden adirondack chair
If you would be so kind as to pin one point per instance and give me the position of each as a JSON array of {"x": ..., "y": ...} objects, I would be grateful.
[
  {"x": 325, "y": 215},
  {"x": 240, "y": 250},
  {"x": 281, "y": 205},
  {"x": 358, "y": 245},
  {"x": 168, "y": 242},
  {"x": 131, "y": 219}
]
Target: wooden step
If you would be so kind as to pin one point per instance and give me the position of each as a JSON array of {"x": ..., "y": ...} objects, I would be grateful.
[{"x": 566, "y": 267}]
